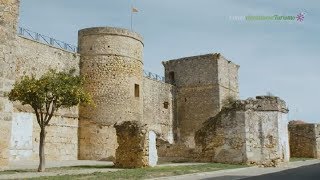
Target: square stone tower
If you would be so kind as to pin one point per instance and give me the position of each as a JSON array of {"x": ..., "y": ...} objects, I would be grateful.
[{"x": 203, "y": 84}]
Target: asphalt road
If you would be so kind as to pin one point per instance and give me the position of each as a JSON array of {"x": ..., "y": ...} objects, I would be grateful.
[{"x": 310, "y": 172}]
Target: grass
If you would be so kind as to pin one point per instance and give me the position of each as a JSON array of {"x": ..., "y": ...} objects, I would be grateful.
[
  {"x": 57, "y": 169},
  {"x": 15, "y": 171},
  {"x": 294, "y": 159},
  {"x": 144, "y": 173}
]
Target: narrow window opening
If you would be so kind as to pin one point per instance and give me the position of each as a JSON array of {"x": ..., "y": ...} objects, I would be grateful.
[
  {"x": 171, "y": 77},
  {"x": 136, "y": 90},
  {"x": 166, "y": 105}
]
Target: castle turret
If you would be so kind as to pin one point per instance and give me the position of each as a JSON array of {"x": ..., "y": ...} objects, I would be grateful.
[
  {"x": 9, "y": 10},
  {"x": 111, "y": 61},
  {"x": 203, "y": 85}
]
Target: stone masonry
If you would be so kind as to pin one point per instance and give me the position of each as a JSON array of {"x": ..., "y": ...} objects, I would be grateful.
[
  {"x": 132, "y": 151},
  {"x": 9, "y": 10},
  {"x": 185, "y": 113},
  {"x": 201, "y": 85},
  {"x": 304, "y": 140},
  {"x": 111, "y": 61},
  {"x": 252, "y": 131}
]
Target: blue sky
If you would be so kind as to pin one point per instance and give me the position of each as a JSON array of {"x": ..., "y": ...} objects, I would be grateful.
[{"x": 281, "y": 57}]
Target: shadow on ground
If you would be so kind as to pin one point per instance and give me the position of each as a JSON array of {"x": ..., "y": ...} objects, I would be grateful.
[
  {"x": 226, "y": 178},
  {"x": 311, "y": 172}
]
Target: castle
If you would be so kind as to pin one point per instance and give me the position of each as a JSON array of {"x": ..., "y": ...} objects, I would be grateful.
[{"x": 194, "y": 90}]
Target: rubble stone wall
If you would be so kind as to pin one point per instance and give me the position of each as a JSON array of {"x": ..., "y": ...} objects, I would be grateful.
[
  {"x": 304, "y": 140},
  {"x": 223, "y": 138},
  {"x": 112, "y": 62},
  {"x": 202, "y": 83},
  {"x": 133, "y": 149},
  {"x": 252, "y": 131}
]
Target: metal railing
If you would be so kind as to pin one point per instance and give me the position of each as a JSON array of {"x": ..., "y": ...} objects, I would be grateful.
[
  {"x": 68, "y": 47},
  {"x": 153, "y": 76},
  {"x": 46, "y": 40}
]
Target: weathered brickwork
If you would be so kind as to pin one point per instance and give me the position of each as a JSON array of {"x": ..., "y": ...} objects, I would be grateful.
[
  {"x": 111, "y": 61},
  {"x": 9, "y": 10},
  {"x": 304, "y": 140},
  {"x": 252, "y": 131},
  {"x": 202, "y": 83}
]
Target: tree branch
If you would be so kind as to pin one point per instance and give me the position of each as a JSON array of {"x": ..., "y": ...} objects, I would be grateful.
[
  {"x": 47, "y": 110},
  {"x": 37, "y": 114},
  {"x": 41, "y": 115},
  {"x": 53, "y": 108}
]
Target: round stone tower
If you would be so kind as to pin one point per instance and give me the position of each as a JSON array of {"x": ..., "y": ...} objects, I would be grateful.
[{"x": 111, "y": 61}]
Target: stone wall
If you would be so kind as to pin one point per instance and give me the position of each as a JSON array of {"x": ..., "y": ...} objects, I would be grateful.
[
  {"x": 61, "y": 141},
  {"x": 158, "y": 108},
  {"x": 36, "y": 58},
  {"x": 112, "y": 62},
  {"x": 132, "y": 152},
  {"x": 223, "y": 138},
  {"x": 228, "y": 80},
  {"x": 96, "y": 141},
  {"x": 202, "y": 84},
  {"x": 304, "y": 140},
  {"x": 61, "y": 138},
  {"x": 9, "y": 10},
  {"x": 252, "y": 131}
]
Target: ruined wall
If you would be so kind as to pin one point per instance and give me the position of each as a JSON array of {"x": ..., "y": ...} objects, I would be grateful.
[
  {"x": 252, "y": 131},
  {"x": 304, "y": 140},
  {"x": 202, "y": 83},
  {"x": 61, "y": 141},
  {"x": 111, "y": 60},
  {"x": 267, "y": 138},
  {"x": 317, "y": 141},
  {"x": 223, "y": 138},
  {"x": 133, "y": 149},
  {"x": 158, "y": 107},
  {"x": 9, "y": 10}
]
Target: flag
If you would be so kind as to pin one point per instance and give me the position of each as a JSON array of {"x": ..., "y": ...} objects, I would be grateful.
[{"x": 134, "y": 10}]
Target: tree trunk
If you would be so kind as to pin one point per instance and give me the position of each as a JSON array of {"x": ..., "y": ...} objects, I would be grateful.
[{"x": 41, "y": 150}]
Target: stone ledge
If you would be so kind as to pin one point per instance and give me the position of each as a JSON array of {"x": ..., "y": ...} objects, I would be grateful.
[
  {"x": 110, "y": 31},
  {"x": 260, "y": 103}
]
